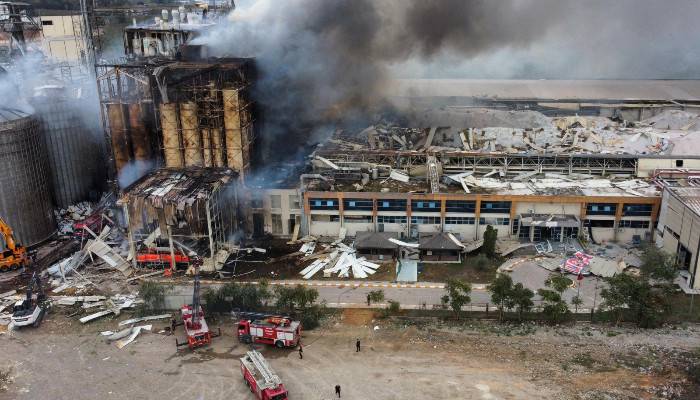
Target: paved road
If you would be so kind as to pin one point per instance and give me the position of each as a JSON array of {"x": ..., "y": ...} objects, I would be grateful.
[{"x": 347, "y": 294}]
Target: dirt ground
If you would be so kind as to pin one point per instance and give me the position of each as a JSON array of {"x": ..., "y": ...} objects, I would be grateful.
[
  {"x": 399, "y": 360},
  {"x": 465, "y": 271}
]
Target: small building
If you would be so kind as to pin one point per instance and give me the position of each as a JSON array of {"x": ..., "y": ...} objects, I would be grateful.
[
  {"x": 376, "y": 245},
  {"x": 439, "y": 248}
]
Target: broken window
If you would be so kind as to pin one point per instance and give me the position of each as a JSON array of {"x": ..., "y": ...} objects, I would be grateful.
[
  {"x": 459, "y": 206},
  {"x": 420, "y": 205},
  {"x": 391, "y": 219},
  {"x": 637, "y": 210},
  {"x": 276, "y": 224},
  {"x": 294, "y": 202},
  {"x": 459, "y": 220},
  {"x": 423, "y": 220},
  {"x": 601, "y": 209},
  {"x": 323, "y": 204},
  {"x": 634, "y": 224},
  {"x": 391, "y": 205},
  {"x": 358, "y": 204},
  {"x": 275, "y": 201},
  {"x": 357, "y": 219},
  {"x": 495, "y": 207},
  {"x": 599, "y": 223}
]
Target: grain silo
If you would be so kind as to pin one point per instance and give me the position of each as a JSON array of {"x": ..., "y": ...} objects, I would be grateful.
[
  {"x": 25, "y": 185},
  {"x": 73, "y": 143}
]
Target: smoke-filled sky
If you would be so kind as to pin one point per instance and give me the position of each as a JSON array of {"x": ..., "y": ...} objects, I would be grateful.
[{"x": 319, "y": 59}]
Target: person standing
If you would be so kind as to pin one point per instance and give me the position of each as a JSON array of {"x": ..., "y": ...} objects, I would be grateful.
[
  {"x": 301, "y": 352},
  {"x": 357, "y": 346},
  {"x": 368, "y": 299},
  {"x": 337, "y": 390}
]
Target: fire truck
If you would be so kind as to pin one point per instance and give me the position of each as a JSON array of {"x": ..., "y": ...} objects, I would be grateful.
[
  {"x": 196, "y": 328},
  {"x": 161, "y": 256},
  {"x": 279, "y": 331},
  {"x": 260, "y": 377}
]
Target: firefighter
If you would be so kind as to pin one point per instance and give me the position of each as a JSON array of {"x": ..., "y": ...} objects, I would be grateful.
[
  {"x": 337, "y": 390},
  {"x": 301, "y": 352},
  {"x": 357, "y": 346}
]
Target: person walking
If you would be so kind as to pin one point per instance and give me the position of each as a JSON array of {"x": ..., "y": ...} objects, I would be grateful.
[
  {"x": 368, "y": 299},
  {"x": 337, "y": 390},
  {"x": 301, "y": 352},
  {"x": 357, "y": 346},
  {"x": 173, "y": 323}
]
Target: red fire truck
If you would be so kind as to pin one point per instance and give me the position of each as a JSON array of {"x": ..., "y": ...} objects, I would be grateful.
[
  {"x": 196, "y": 328},
  {"x": 158, "y": 256},
  {"x": 267, "y": 329},
  {"x": 260, "y": 377}
]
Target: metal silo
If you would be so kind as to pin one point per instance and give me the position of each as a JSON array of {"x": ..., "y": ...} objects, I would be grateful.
[
  {"x": 73, "y": 145},
  {"x": 25, "y": 200}
]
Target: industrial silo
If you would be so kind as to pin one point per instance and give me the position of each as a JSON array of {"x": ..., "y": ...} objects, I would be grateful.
[
  {"x": 73, "y": 142},
  {"x": 25, "y": 199}
]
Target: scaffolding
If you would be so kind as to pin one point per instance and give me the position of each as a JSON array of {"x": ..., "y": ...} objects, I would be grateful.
[{"x": 189, "y": 114}]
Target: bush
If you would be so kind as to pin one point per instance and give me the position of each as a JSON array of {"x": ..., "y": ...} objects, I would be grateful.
[
  {"x": 153, "y": 295},
  {"x": 231, "y": 296},
  {"x": 376, "y": 296},
  {"x": 311, "y": 317},
  {"x": 481, "y": 262},
  {"x": 289, "y": 298},
  {"x": 394, "y": 307}
]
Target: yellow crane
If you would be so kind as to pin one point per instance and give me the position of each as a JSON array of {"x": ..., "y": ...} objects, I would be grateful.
[{"x": 14, "y": 255}]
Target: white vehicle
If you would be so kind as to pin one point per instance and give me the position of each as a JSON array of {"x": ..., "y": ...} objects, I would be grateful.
[{"x": 31, "y": 310}]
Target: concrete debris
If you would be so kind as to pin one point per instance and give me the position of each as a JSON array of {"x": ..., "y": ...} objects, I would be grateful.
[{"x": 399, "y": 176}]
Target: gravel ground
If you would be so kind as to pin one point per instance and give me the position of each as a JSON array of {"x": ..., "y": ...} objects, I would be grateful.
[{"x": 400, "y": 360}]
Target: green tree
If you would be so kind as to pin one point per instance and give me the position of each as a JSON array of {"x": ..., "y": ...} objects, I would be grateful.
[
  {"x": 458, "y": 292},
  {"x": 555, "y": 308},
  {"x": 658, "y": 264},
  {"x": 648, "y": 304},
  {"x": 521, "y": 299},
  {"x": 501, "y": 291},
  {"x": 490, "y": 237},
  {"x": 299, "y": 296},
  {"x": 558, "y": 282},
  {"x": 376, "y": 296},
  {"x": 576, "y": 301}
]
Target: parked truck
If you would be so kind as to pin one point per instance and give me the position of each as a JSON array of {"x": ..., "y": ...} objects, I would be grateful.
[
  {"x": 260, "y": 377},
  {"x": 267, "y": 329}
]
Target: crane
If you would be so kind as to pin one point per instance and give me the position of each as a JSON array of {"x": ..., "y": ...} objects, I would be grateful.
[{"x": 14, "y": 256}]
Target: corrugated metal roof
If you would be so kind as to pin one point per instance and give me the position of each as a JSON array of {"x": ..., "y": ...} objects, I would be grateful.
[{"x": 8, "y": 114}]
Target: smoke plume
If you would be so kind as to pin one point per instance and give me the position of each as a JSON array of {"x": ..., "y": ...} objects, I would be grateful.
[{"x": 323, "y": 61}]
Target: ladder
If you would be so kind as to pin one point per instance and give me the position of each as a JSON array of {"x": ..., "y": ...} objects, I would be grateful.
[
  {"x": 433, "y": 174},
  {"x": 271, "y": 379}
]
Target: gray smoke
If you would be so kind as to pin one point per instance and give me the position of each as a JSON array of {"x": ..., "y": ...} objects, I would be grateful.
[{"x": 323, "y": 61}]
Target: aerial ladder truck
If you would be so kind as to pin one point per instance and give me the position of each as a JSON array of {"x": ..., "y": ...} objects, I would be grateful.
[
  {"x": 196, "y": 328},
  {"x": 261, "y": 379}
]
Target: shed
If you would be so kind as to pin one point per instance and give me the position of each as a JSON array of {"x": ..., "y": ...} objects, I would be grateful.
[
  {"x": 376, "y": 245},
  {"x": 439, "y": 247}
]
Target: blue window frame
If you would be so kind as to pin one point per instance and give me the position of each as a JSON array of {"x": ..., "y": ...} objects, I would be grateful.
[
  {"x": 495, "y": 207},
  {"x": 324, "y": 204},
  {"x": 601, "y": 208}
]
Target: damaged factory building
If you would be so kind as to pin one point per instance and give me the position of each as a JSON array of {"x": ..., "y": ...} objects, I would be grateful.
[{"x": 174, "y": 214}]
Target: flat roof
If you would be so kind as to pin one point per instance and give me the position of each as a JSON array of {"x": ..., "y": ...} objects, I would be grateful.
[{"x": 522, "y": 89}]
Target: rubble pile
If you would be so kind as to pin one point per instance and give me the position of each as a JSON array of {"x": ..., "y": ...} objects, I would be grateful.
[{"x": 336, "y": 258}]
